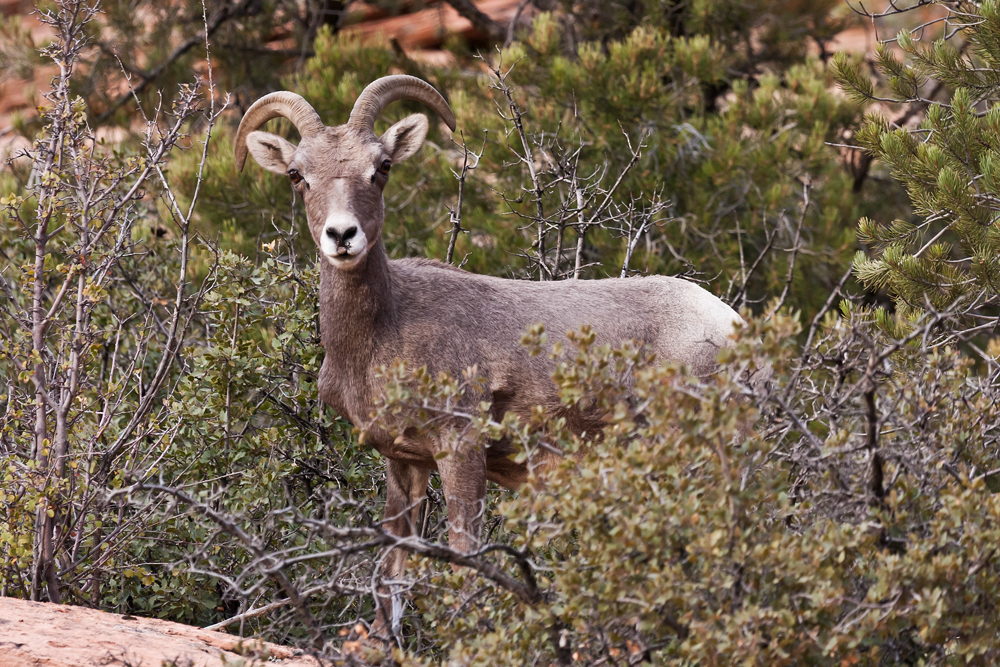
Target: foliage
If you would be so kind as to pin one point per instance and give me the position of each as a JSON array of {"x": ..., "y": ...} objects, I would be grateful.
[
  {"x": 947, "y": 164},
  {"x": 756, "y": 35},
  {"x": 152, "y": 47},
  {"x": 733, "y": 197},
  {"x": 132, "y": 349},
  {"x": 674, "y": 539},
  {"x": 79, "y": 338}
]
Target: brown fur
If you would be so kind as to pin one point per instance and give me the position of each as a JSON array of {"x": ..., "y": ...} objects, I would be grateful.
[{"x": 373, "y": 310}]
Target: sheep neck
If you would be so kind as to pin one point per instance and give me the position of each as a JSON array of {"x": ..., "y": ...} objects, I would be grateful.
[{"x": 356, "y": 310}]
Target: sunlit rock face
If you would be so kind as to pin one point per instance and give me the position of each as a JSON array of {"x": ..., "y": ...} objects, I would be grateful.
[{"x": 41, "y": 633}]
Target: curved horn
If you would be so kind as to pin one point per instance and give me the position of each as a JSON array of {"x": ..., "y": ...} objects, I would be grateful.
[
  {"x": 284, "y": 104},
  {"x": 381, "y": 92}
]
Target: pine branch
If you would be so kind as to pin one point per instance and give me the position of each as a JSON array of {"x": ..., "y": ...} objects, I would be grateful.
[{"x": 216, "y": 21}]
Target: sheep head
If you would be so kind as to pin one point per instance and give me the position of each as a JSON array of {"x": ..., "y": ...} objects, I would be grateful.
[{"x": 340, "y": 172}]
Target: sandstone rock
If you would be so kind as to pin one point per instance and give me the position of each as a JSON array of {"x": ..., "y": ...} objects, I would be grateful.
[{"x": 51, "y": 635}]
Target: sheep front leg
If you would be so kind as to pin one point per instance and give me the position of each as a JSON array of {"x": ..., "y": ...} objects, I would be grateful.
[
  {"x": 463, "y": 480},
  {"x": 406, "y": 486}
]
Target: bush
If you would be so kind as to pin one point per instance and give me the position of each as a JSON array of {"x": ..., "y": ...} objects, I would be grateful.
[{"x": 816, "y": 541}]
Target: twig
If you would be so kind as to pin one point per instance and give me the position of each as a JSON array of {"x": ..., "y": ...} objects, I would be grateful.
[
  {"x": 513, "y": 23},
  {"x": 250, "y": 613},
  {"x": 528, "y": 159},
  {"x": 233, "y": 529},
  {"x": 795, "y": 246},
  {"x": 630, "y": 246},
  {"x": 456, "y": 213}
]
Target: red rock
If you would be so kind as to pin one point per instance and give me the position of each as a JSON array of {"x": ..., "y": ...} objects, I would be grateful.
[{"x": 50, "y": 635}]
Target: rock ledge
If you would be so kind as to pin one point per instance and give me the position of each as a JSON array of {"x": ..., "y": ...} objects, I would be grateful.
[{"x": 50, "y": 635}]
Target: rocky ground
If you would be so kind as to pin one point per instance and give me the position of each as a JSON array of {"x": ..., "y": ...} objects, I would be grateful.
[{"x": 50, "y": 635}]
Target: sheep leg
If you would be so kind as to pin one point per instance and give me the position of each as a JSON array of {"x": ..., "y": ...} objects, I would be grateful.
[
  {"x": 406, "y": 487},
  {"x": 463, "y": 480}
]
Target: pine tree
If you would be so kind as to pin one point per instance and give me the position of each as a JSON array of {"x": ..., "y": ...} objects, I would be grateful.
[
  {"x": 947, "y": 255},
  {"x": 735, "y": 152}
]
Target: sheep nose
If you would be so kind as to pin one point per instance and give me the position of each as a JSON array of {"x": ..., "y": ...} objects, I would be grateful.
[{"x": 342, "y": 238}]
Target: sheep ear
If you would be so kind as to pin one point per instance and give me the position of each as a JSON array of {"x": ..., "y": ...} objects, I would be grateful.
[
  {"x": 270, "y": 151},
  {"x": 404, "y": 138}
]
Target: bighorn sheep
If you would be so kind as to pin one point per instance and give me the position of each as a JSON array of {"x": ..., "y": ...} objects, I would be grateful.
[{"x": 373, "y": 309}]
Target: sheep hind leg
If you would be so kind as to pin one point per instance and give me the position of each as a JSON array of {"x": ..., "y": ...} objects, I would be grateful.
[{"x": 406, "y": 488}]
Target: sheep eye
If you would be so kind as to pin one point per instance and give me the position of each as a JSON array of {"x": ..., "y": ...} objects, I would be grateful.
[
  {"x": 295, "y": 176},
  {"x": 385, "y": 167}
]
